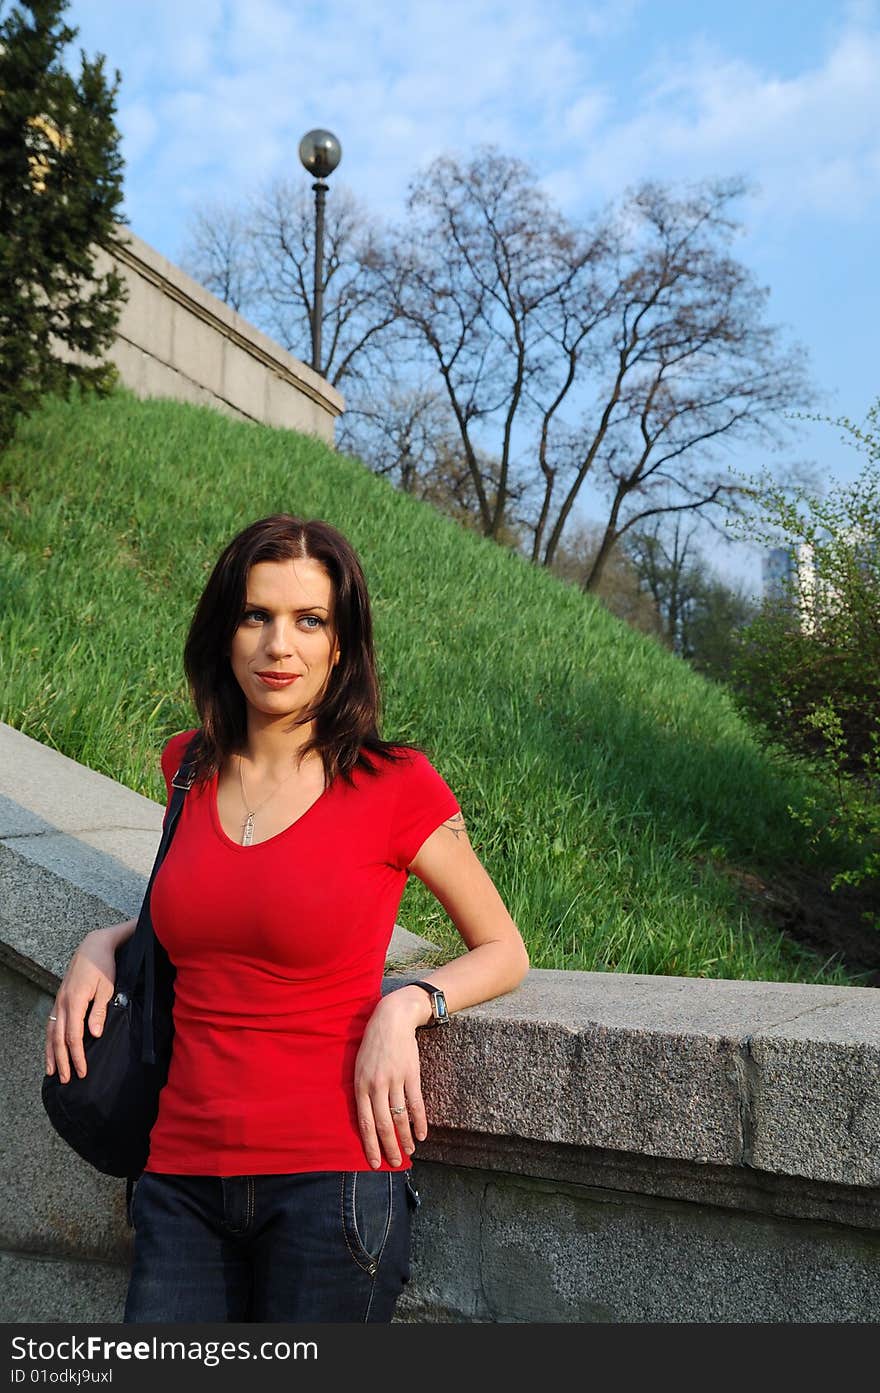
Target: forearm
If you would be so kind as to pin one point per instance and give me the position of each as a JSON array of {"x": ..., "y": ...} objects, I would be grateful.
[
  {"x": 486, "y": 971},
  {"x": 116, "y": 934}
]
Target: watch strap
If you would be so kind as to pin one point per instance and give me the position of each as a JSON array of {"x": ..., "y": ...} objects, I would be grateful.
[{"x": 433, "y": 992}]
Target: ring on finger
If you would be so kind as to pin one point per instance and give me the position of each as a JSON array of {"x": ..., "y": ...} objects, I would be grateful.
[
  {"x": 395, "y": 1111},
  {"x": 53, "y": 1018}
]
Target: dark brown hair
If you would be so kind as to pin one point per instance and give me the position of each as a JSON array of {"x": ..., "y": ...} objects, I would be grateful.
[{"x": 347, "y": 712}]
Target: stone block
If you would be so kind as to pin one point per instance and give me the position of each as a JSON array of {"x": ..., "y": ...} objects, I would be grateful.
[
  {"x": 610, "y": 1147},
  {"x": 652, "y": 1065},
  {"x": 406, "y": 948},
  {"x": 284, "y": 405},
  {"x": 159, "y": 380},
  {"x": 131, "y": 364},
  {"x": 146, "y": 320},
  {"x": 198, "y": 351},
  {"x": 43, "y": 916},
  {"x": 60, "y": 1290},
  {"x": 36, "y": 782},
  {"x": 53, "y": 1203},
  {"x": 243, "y": 381},
  {"x": 816, "y": 1093},
  {"x": 492, "y": 1247}
]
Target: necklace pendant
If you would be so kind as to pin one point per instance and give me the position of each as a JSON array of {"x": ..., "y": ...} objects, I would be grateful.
[{"x": 247, "y": 835}]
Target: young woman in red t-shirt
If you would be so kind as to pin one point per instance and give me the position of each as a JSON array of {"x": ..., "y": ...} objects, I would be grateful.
[{"x": 277, "y": 1186}]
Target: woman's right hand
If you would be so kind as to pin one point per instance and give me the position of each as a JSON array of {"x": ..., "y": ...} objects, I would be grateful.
[{"x": 90, "y": 978}]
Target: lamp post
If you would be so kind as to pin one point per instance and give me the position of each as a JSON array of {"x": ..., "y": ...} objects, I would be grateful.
[{"x": 320, "y": 153}]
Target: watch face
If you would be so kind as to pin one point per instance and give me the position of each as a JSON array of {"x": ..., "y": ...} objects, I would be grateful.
[{"x": 441, "y": 1015}]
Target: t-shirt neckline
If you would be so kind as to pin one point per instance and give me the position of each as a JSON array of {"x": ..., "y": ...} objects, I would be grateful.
[{"x": 269, "y": 841}]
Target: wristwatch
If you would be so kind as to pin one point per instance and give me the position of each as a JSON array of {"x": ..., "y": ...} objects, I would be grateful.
[{"x": 439, "y": 1010}]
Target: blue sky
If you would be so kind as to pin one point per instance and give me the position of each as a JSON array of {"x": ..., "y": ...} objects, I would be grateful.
[{"x": 216, "y": 94}]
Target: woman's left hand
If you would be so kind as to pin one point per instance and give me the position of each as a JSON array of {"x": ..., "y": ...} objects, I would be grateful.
[{"x": 387, "y": 1079}]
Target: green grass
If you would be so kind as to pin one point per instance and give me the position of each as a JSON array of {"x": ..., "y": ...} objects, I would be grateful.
[{"x": 592, "y": 767}]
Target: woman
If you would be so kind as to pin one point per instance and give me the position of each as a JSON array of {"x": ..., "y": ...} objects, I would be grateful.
[{"x": 277, "y": 1185}]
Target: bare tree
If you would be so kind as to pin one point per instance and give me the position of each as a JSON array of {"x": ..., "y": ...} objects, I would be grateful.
[
  {"x": 698, "y": 612},
  {"x": 620, "y": 586},
  {"x": 642, "y": 322},
  {"x": 632, "y": 351},
  {"x": 484, "y": 268},
  {"x": 218, "y": 254},
  {"x": 449, "y": 486},
  {"x": 400, "y": 431},
  {"x": 259, "y": 258},
  {"x": 690, "y": 366},
  {"x": 668, "y": 567},
  {"x": 409, "y": 435}
]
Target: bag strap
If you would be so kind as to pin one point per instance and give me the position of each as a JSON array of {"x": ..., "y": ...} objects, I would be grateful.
[{"x": 142, "y": 949}]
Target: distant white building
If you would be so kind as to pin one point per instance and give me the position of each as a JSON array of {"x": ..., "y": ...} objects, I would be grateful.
[{"x": 794, "y": 571}]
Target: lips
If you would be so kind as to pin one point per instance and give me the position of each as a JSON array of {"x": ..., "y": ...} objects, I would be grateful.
[{"x": 278, "y": 679}]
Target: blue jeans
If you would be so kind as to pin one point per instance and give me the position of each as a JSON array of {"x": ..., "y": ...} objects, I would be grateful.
[{"x": 318, "y": 1246}]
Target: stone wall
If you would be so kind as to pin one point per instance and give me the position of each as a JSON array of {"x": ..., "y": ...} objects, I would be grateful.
[
  {"x": 602, "y": 1147},
  {"x": 174, "y": 339},
  {"x": 623, "y": 1148}
]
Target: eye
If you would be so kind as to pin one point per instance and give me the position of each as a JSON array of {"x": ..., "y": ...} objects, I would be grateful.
[{"x": 312, "y": 622}]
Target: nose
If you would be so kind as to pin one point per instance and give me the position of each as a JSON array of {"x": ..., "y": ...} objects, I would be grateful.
[{"x": 279, "y": 638}]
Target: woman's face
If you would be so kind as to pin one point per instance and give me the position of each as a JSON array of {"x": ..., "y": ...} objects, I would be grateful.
[{"x": 284, "y": 649}]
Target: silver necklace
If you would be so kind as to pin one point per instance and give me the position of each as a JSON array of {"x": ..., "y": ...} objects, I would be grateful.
[{"x": 247, "y": 831}]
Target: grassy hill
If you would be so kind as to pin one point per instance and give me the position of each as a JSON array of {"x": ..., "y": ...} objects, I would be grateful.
[{"x": 608, "y": 789}]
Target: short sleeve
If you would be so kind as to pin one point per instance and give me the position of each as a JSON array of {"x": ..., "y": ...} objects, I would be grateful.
[{"x": 424, "y": 801}]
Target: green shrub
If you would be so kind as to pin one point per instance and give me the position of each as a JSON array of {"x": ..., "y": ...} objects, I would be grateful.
[{"x": 807, "y": 668}]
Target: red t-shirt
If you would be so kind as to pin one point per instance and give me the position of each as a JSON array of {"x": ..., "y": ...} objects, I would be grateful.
[{"x": 279, "y": 950}]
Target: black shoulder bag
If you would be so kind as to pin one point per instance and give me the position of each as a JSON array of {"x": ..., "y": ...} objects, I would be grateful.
[{"x": 108, "y": 1115}]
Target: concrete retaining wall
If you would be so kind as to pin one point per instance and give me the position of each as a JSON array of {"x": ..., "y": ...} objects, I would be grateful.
[
  {"x": 175, "y": 339},
  {"x": 602, "y": 1148}
]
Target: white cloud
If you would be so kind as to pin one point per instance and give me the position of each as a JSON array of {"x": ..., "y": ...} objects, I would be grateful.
[
  {"x": 230, "y": 88},
  {"x": 216, "y": 94},
  {"x": 811, "y": 141},
  {"x": 584, "y": 116}
]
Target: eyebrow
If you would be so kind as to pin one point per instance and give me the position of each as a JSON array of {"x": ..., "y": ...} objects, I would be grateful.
[{"x": 299, "y": 609}]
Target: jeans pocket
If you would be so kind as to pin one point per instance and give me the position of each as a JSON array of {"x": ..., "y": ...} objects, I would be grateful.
[{"x": 367, "y": 1211}]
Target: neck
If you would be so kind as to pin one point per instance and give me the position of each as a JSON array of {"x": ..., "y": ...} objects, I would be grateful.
[{"x": 272, "y": 745}]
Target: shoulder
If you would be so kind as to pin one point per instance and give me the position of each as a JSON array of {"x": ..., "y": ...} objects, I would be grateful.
[
  {"x": 404, "y": 776},
  {"x": 418, "y": 778},
  {"x": 405, "y": 765}
]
